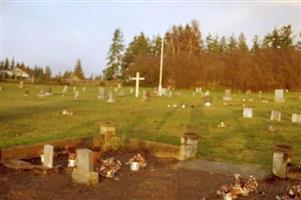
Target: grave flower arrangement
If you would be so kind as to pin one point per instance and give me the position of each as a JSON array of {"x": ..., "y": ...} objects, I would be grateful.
[
  {"x": 138, "y": 158},
  {"x": 230, "y": 192},
  {"x": 109, "y": 167}
]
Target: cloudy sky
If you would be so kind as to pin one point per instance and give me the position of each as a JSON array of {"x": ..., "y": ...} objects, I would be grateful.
[{"x": 57, "y": 33}]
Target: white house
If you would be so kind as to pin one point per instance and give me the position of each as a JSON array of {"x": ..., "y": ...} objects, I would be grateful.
[{"x": 16, "y": 72}]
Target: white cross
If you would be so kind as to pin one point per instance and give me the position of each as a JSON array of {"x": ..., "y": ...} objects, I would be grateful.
[{"x": 137, "y": 79}]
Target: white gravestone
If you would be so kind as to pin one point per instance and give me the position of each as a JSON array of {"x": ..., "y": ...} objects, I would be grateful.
[
  {"x": 208, "y": 100},
  {"x": 84, "y": 172},
  {"x": 144, "y": 96},
  {"x": 276, "y": 115},
  {"x": 21, "y": 84},
  {"x": 207, "y": 93},
  {"x": 198, "y": 90},
  {"x": 279, "y": 95},
  {"x": 296, "y": 118},
  {"x": 110, "y": 97},
  {"x": 137, "y": 79},
  {"x": 247, "y": 113},
  {"x": 101, "y": 93},
  {"x": 227, "y": 96},
  {"x": 65, "y": 89},
  {"x": 131, "y": 90},
  {"x": 76, "y": 95},
  {"x": 164, "y": 91},
  {"x": 42, "y": 93},
  {"x": 48, "y": 156}
]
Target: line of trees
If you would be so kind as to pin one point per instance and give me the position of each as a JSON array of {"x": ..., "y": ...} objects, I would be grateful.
[
  {"x": 189, "y": 60},
  {"x": 39, "y": 73},
  {"x": 42, "y": 73}
]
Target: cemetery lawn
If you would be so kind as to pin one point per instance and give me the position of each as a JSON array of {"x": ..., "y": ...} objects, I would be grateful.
[{"x": 29, "y": 120}]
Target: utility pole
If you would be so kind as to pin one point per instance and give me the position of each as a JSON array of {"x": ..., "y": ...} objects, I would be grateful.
[{"x": 161, "y": 67}]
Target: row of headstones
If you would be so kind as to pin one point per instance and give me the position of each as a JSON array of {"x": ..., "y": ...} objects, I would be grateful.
[
  {"x": 102, "y": 94},
  {"x": 278, "y": 95},
  {"x": 275, "y": 115}
]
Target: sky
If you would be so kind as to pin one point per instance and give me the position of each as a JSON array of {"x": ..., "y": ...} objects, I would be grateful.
[{"x": 57, "y": 33}]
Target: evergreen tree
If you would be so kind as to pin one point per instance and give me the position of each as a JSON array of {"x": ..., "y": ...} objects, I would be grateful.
[
  {"x": 298, "y": 46},
  {"x": 223, "y": 44},
  {"x": 232, "y": 45},
  {"x": 1, "y": 65},
  {"x": 256, "y": 44},
  {"x": 78, "y": 71},
  {"x": 48, "y": 73},
  {"x": 242, "y": 43},
  {"x": 213, "y": 45},
  {"x": 140, "y": 45},
  {"x": 114, "y": 64},
  {"x": 6, "y": 64},
  {"x": 286, "y": 38},
  {"x": 12, "y": 64},
  {"x": 272, "y": 39},
  {"x": 67, "y": 74}
]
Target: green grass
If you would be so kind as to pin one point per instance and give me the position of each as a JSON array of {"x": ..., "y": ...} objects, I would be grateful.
[{"x": 28, "y": 120}]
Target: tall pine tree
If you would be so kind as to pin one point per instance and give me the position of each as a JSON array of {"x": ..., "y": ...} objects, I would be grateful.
[
  {"x": 78, "y": 71},
  {"x": 114, "y": 64}
]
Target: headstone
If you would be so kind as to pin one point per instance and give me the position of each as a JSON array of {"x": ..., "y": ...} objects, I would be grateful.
[
  {"x": 101, "y": 93},
  {"x": 21, "y": 84},
  {"x": 170, "y": 94},
  {"x": 281, "y": 159},
  {"x": 164, "y": 92},
  {"x": 227, "y": 96},
  {"x": 48, "y": 156},
  {"x": 137, "y": 79},
  {"x": 296, "y": 118},
  {"x": 76, "y": 95},
  {"x": 65, "y": 89},
  {"x": 119, "y": 86},
  {"x": 83, "y": 89},
  {"x": 131, "y": 90},
  {"x": 41, "y": 94},
  {"x": 198, "y": 90},
  {"x": 189, "y": 146},
  {"x": 107, "y": 130},
  {"x": 279, "y": 165},
  {"x": 49, "y": 92},
  {"x": 260, "y": 94},
  {"x": 276, "y": 115},
  {"x": 84, "y": 172},
  {"x": 247, "y": 113},
  {"x": 208, "y": 100},
  {"x": 248, "y": 92},
  {"x": 279, "y": 95},
  {"x": 74, "y": 89},
  {"x": 110, "y": 97},
  {"x": 144, "y": 96},
  {"x": 207, "y": 93}
]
